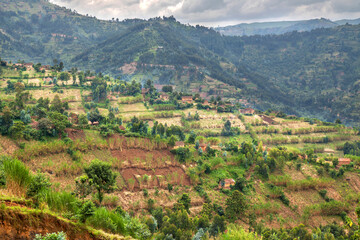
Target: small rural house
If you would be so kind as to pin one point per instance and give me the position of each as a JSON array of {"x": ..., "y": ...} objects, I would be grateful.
[
  {"x": 179, "y": 144},
  {"x": 164, "y": 97},
  {"x": 247, "y": 111},
  {"x": 226, "y": 183},
  {"x": 343, "y": 161},
  {"x": 187, "y": 99}
]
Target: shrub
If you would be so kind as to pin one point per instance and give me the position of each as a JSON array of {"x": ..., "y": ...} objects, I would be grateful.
[
  {"x": 51, "y": 236},
  {"x": 237, "y": 232},
  {"x": 108, "y": 221},
  {"x": 17, "y": 172},
  {"x": 87, "y": 210},
  {"x": 323, "y": 193},
  {"x": 170, "y": 187},
  {"x": 61, "y": 201},
  {"x": 38, "y": 183}
]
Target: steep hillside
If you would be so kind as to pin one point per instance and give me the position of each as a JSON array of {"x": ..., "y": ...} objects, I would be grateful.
[
  {"x": 319, "y": 70},
  {"x": 40, "y": 31}
]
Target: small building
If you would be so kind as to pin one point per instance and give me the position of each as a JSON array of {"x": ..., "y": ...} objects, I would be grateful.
[
  {"x": 122, "y": 128},
  {"x": 164, "y": 97},
  {"x": 187, "y": 99},
  {"x": 206, "y": 102},
  {"x": 226, "y": 183},
  {"x": 343, "y": 161},
  {"x": 90, "y": 78},
  {"x": 179, "y": 144},
  {"x": 45, "y": 67},
  {"x": 28, "y": 65},
  {"x": 247, "y": 111}
]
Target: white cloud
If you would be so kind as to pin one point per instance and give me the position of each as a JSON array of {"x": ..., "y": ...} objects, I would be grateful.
[{"x": 214, "y": 12}]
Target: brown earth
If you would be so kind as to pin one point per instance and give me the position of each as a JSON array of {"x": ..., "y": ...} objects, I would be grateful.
[
  {"x": 74, "y": 134},
  {"x": 139, "y": 157},
  {"x": 20, "y": 222}
]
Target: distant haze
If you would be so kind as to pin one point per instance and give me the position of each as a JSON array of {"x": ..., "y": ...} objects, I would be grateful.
[{"x": 217, "y": 12}]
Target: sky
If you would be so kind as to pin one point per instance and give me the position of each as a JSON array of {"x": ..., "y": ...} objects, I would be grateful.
[{"x": 212, "y": 13}]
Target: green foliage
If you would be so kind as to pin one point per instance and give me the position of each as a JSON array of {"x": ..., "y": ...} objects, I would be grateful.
[
  {"x": 17, "y": 172},
  {"x": 87, "y": 210},
  {"x": 182, "y": 153},
  {"x": 236, "y": 205},
  {"x": 83, "y": 186},
  {"x": 185, "y": 200},
  {"x": 102, "y": 177},
  {"x": 107, "y": 220},
  {"x": 51, "y": 236},
  {"x": 239, "y": 233},
  {"x": 38, "y": 184},
  {"x": 17, "y": 129}
]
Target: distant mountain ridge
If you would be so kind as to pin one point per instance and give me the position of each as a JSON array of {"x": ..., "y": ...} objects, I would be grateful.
[{"x": 281, "y": 27}]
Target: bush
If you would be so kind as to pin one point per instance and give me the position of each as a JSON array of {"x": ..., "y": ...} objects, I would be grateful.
[
  {"x": 108, "y": 221},
  {"x": 38, "y": 184},
  {"x": 87, "y": 210},
  {"x": 237, "y": 232},
  {"x": 17, "y": 172},
  {"x": 323, "y": 193},
  {"x": 51, "y": 236}
]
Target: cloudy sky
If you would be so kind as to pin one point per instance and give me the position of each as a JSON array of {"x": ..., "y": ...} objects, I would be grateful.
[{"x": 217, "y": 12}]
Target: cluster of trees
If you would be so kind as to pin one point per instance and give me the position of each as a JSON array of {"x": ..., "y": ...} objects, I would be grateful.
[
  {"x": 16, "y": 116},
  {"x": 352, "y": 148}
]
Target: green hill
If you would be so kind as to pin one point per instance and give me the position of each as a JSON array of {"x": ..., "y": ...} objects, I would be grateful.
[{"x": 310, "y": 74}]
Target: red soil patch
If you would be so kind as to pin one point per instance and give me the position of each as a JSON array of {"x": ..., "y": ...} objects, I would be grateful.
[{"x": 140, "y": 157}]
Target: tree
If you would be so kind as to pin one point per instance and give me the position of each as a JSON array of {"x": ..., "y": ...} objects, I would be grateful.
[
  {"x": 59, "y": 121},
  {"x": 94, "y": 116},
  {"x": 17, "y": 129},
  {"x": 102, "y": 177},
  {"x": 172, "y": 140},
  {"x": 45, "y": 126},
  {"x": 192, "y": 137},
  {"x": 218, "y": 226},
  {"x": 235, "y": 205},
  {"x": 83, "y": 121},
  {"x": 65, "y": 77},
  {"x": 185, "y": 200},
  {"x": 56, "y": 104},
  {"x": 83, "y": 186}
]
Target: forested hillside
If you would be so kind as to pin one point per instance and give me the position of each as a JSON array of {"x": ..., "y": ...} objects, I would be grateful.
[
  {"x": 304, "y": 73},
  {"x": 319, "y": 69}
]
